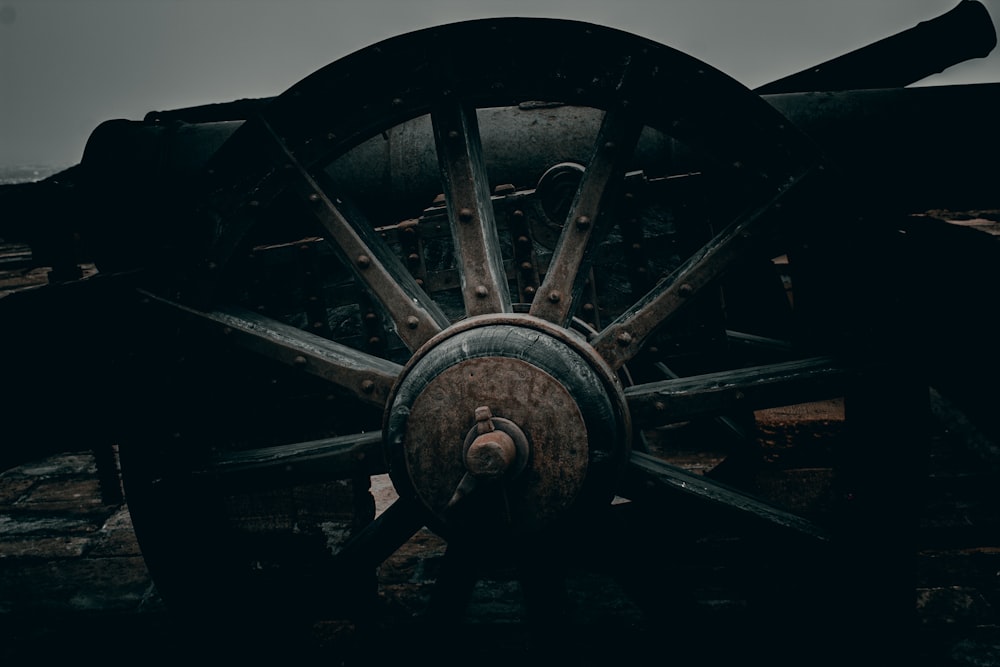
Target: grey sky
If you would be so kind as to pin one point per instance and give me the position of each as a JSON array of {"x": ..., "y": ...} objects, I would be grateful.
[{"x": 68, "y": 65}]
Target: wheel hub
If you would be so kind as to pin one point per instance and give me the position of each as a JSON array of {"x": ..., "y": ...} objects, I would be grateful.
[{"x": 505, "y": 424}]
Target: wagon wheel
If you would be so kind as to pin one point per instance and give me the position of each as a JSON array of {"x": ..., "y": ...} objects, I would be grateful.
[{"x": 512, "y": 376}]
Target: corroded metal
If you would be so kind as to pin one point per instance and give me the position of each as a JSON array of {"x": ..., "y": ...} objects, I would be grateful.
[{"x": 547, "y": 393}]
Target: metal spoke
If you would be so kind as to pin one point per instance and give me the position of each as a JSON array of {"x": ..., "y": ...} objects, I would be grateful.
[
  {"x": 681, "y": 399},
  {"x": 470, "y": 209},
  {"x": 366, "y": 377},
  {"x": 623, "y": 338},
  {"x": 344, "y": 457},
  {"x": 649, "y": 478},
  {"x": 588, "y": 219},
  {"x": 415, "y": 316}
]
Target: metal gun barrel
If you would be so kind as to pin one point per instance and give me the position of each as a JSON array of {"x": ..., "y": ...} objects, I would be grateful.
[{"x": 963, "y": 33}]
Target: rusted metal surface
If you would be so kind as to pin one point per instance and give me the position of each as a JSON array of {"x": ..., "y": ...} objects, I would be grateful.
[
  {"x": 291, "y": 332},
  {"x": 545, "y": 396}
]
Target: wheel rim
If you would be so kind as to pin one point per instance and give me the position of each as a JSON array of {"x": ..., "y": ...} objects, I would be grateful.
[{"x": 413, "y": 340}]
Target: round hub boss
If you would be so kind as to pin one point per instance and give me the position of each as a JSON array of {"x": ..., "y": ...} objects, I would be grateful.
[{"x": 505, "y": 424}]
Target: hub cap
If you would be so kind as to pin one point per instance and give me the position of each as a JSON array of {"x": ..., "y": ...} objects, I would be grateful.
[{"x": 505, "y": 424}]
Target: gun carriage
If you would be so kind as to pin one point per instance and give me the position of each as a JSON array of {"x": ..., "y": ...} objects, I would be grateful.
[{"x": 545, "y": 277}]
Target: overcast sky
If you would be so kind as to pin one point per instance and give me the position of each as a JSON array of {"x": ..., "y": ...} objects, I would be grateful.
[{"x": 68, "y": 65}]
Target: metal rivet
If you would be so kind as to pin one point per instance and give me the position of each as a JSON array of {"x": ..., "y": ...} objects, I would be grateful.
[
  {"x": 555, "y": 296},
  {"x": 685, "y": 290},
  {"x": 583, "y": 222},
  {"x": 465, "y": 215},
  {"x": 527, "y": 266},
  {"x": 659, "y": 406},
  {"x": 482, "y": 292},
  {"x": 299, "y": 360},
  {"x": 313, "y": 196},
  {"x": 367, "y": 386},
  {"x": 412, "y": 321},
  {"x": 364, "y": 261},
  {"x": 624, "y": 339}
]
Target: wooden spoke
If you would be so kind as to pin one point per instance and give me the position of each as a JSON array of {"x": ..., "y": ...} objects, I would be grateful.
[
  {"x": 382, "y": 537},
  {"x": 470, "y": 210},
  {"x": 415, "y": 316},
  {"x": 680, "y": 399},
  {"x": 623, "y": 338},
  {"x": 649, "y": 478},
  {"x": 588, "y": 218},
  {"x": 366, "y": 377},
  {"x": 345, "y": 457}
]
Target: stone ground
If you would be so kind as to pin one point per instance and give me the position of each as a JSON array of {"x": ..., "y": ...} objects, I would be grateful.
[{"x": 73, "y": 583}]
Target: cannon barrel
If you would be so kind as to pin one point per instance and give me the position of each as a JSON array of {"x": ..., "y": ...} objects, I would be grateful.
[
  {"x": 963, "y": 33},
  {"x": 923, "y": 147}
]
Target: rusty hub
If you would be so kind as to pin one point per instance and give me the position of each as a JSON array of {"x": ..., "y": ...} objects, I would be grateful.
[{"x": 505, "y": 424}]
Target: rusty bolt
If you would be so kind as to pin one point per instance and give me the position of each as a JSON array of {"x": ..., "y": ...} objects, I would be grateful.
[
  {"x": 517, "y": 213},
  {"x": 529, "y": 290},
  {"x": 364, "y": 261},
  {"x": 413, "y": 258},
  {"x": 367, "y": 386},
  {"x": 588, "y": 307},
  {"x": 493, "y": 451},
  {"x": 374, "y": 340},
  {"x": 299, "y": 361},
  {"x": 685, "y": 290},
  {"x": 313, "y": 196},
  {"x": 482, "y": 292},
  {"x": 523, "y": 240},
  {"x": 555, "y": 296},
  {"x": 624, "y": 339},
  {"x": 583, "y": 222},
  {"x": 527, "y": 266},
  {"x": 412, "y": 321},
  {"x": 465, "y": 215}
]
